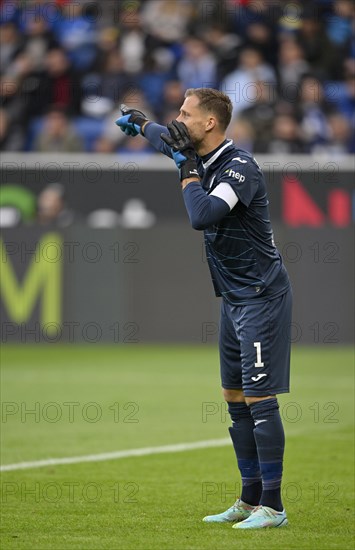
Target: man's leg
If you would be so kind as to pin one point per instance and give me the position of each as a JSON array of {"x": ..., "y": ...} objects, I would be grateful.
[
  {"x": 270, "y": 442},
  {"x": 259, "y": 442},
  {"x": 241, "y": 431},
  {"x": 265, "y": 343},
  {"x": 242, "y": 434}
]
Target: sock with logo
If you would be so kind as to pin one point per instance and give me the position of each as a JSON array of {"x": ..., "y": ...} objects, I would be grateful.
[
  {"x": 270, "y": 443},
  {"x": 242, "y": 435}
]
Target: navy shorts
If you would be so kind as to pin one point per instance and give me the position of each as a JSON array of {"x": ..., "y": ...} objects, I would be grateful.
[{"x": 254, "y": 346}]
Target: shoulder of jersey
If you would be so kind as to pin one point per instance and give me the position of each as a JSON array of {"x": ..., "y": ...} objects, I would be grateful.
[
  {"x": 241, "y": 157},
  {"x": 240, "y": 162}
]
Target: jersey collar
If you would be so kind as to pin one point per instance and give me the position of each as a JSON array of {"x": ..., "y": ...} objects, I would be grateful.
[{"x": 209, "y": 159}]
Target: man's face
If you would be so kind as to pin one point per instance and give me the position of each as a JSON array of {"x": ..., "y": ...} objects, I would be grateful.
[
  {"x": 195, "y": 119},
  {"x": 50, "y": 204},
  {"x": 56, "y": 124}
]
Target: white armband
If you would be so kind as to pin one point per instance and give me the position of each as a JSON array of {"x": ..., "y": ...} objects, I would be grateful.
[{"x": 225, "y": 192}]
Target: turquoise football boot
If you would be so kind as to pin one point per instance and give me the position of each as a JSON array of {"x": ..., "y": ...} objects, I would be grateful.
[
  {"x": 238, "y": 512},
  {"x": 262, "y": 517}
]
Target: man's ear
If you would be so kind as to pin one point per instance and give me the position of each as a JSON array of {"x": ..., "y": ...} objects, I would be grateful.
[{"x": 210, "y": 124}]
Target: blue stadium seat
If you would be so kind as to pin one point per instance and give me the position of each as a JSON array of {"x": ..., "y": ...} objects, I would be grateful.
[{"x": 89, "y": 129}]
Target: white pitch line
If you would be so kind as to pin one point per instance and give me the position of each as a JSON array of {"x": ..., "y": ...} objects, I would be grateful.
[{"x": 115, "y": 455}]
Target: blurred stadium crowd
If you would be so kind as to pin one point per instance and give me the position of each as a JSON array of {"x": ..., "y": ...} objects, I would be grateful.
[{"x": 66, "y": 66}]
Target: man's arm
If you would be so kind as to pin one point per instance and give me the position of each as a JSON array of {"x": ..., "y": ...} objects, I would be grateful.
[
  {"x": 203, "y": 210},
  {"x": 152, "y": 132},
  {"x": 206, "y": 210},
  {"x": 134, "y": 122}
]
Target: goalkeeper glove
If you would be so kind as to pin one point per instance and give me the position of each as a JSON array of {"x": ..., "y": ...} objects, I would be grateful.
[
  {"x": 132, "y": 121},
  {"x": 182, "y": 149}
]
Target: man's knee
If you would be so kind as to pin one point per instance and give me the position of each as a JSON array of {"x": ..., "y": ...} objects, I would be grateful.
[
  {"x": 250, "y": 400},
  {"x": 233, "y": 396},
  {"x": 237, "y": 396}
]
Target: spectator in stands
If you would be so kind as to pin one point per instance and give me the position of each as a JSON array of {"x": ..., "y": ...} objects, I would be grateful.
[
  {"x": 339, "y": 141},
  {"x": 285, "y": 136},
  {"x": 166, "y": 21},
  {"x": 173, "y": 98},
  {"x": 261, "y": 115},
  {"x": 292, "y": 67},
  {"x": 102, "y": 89},
  {"x": 11, "y": 133},
  {"x": 132, "y": 38},
  {"x": 107, "y": 42},
  {"x": 139, "y": 147},
  {"x": 241, "y": 84},
  {"x": 244, "y": 14},
  {"x": 154, "y": 76},
  {"x": 318, "y": 50},
  {"x": 339, "y": 25},
  {"x": 76, "y": 33},
  {"x": 197, "y": 67},
  {"x": 104, "y": 145},
  {"x": 225, "y": 47},
  {"x": 312, "y": 109},
  {"x": 58, "y": 135},
  {"x": 242, "y": 132},
  {"x": 58, "y": 85},
  {"x": 343, "y": 93},
  {"x": 51, "y": 207},
  {"x": 112, "y": 79},
  {"x": 10, "y": 93},
  {"x": 13, "y": 106},
  {"x": 341, "y": 132},
  {"x": 39, "y": 39},
  {"x": 11, "y": 44},
  {"x": 84, "y": 59},
  {"x": 346, "y": 103},
  {"x": 260, "y": 35}
]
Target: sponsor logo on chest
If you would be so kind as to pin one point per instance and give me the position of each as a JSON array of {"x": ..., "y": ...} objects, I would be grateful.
[{"x": 232, "y": 174}]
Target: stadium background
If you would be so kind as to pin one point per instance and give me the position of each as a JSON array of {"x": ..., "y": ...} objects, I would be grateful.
[{"x": 106, "y": 287}]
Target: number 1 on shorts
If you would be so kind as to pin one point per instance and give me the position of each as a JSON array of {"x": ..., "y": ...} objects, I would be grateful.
[{"x": 258, "y": 363}]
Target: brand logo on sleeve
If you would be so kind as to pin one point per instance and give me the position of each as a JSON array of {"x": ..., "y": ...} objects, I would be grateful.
[
  {"x": 232, "y": 174},
  {"x": 240, "y": 160}
]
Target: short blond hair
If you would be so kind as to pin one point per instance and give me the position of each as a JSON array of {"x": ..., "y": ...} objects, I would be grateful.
[{"x": 214, "y": 101}]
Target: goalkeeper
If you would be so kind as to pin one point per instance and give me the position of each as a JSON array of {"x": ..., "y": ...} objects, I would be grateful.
[{"x": 225, "y": 196}]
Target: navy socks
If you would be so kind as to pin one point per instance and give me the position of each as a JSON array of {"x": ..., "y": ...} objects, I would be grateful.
[
  {"x": 258, "y": 439},
  {"x": 245, "y": 449},
  {"x": 270, "y": 442}
]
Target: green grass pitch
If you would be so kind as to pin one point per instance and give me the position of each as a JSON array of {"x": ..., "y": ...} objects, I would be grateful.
[{"x": 95, "y": 399}]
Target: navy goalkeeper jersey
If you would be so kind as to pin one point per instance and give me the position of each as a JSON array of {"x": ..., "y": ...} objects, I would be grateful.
[{"x": 245, "y": 265}]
